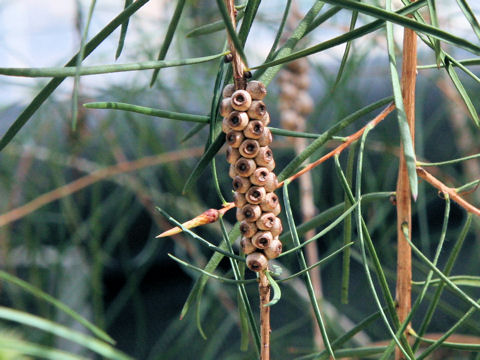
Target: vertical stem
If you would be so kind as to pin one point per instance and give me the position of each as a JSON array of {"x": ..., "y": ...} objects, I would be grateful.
[
  {"x": 404, "y": 207},
  {"x": 264, "y": 290},
  {"x": 237, "y": 64}
]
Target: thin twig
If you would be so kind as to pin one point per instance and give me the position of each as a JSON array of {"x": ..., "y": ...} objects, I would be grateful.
[
  {"x": 264, "y": 291},
  {"x": 403, "y": 193},
  {"x": 237, "y": 64},
  {"x": 424, "y": 174}
]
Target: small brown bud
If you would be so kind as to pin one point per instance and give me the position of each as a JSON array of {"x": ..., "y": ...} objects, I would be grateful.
[
  {"x": 232, "y": 172},
  {"x": 241, "y": 100},
  {"x": 274, "y": 249},
  {"x": 264, "y": 156},
  {"x": 226, "y": 107},
  {"x": 239, "y": 199},
  {"x": 251, "y": 212},
  {"x": 237, "y": 120},
  {"x": 277, "y": 227},
  {"x": 271, "y": 182},
  {"x": 247, "y": 74},
  {"x": 228, "y": 58},
  {"x": 232, "y": 155},
  {"x": 262, "y": 239},
  {"x": 277, "y": 209},
  {"x": 228, "y": 90},
  {"x": 247, "y": 246},
  {"x": 245, "y": 167},
  {"x": 266, "y": 138},
  {"x": 270, "y": 203},
  {"x": 248, "y": 229},
  {"x": 234, "y": 138},
  {"x": 240, "y": 184},
  {"x": 266, "y": 221},
  {"x": 257, "y": 90},
  {"x": 255, "y": 195},
  {"x": 259, "y": 176},
  {"x": 225, "y": 126},
  {"x": 254, "y": 129},
  {"x": 257, "y": 110},
  {"x": 239, "y": 215},
  {"x": 249, "y": 148},
  {"x": 257, "y": 261}
]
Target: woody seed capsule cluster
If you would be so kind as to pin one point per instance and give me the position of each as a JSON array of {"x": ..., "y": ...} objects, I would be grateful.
[{"x": 245, "y": 121}]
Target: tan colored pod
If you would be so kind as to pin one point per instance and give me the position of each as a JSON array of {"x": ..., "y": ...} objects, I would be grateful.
[
  {"x": 256, "y": 89},
  {"x": 303, "y": 103},
  {"x": 234, "y": 138},
  {"x": 241, "y": 100},
  {"x": 270, "y": 204},
  {"x": 257, "y": 261},
  {"x": 299, "y": 66},
  {"x": 277, "y": 209},
  {"x": 239, "y": 215},
  {"x": 266, "y": 138},
  {"x": 226, "y": 107},
  {"x": 237, "y": 120},
  {"x": 288, "y": 92},
  {"x": 302, "y": 81},
  {"x": 239, "y": 199},
  {"x": 266, "y": 221},
  {"x": 271, "y": 182},
  {"x": 292, "y": 120},
  {"x": 269, "y": 221},
  {"x": 265, "y": 119},
  {"x": 260, "y": 176},
  {"x": 251, "y": 212},
  {"x": 248, "y": 229},
  {"x": 264, "y": 157},
  {"x": 225, "y": 126},
  {"x": 255, "y": 195},
  {"x": 228, "y": 90},
  {"x": 274, "y": 249},
  {"x": 245, "y": 167},
  {"x": 262, "y": 239},
  {"x": 254, "y": 129},
  {"x": 257, "y": 110},
  {"x": 232, "y": 172},
  {"x": 232, "y": 155},
  {"x": 241, "y": 184},
  {"x": 247, "y": 246},
  {"x": 249, "y": 148}
]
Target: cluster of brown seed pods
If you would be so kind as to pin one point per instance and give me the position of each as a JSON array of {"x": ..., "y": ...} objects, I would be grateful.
[{"x": 245, "y": 121}]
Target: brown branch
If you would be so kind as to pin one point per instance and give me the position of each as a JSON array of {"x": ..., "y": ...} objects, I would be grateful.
[
  {"x": 264, "y": 291},
  {"x": 452, "y": 193},
  {"x": 349, "y": 140},
  {"x": 403, "y": 192},
  {"x": 237, "y": 63},
  {"x": 92, "y": 178}
]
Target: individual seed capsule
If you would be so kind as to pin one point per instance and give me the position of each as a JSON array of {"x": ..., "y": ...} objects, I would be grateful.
[
  {"x": 247, "y": 246},
  {"x": 228, "y": 90},
  {"x": 240, "y": 184},
  {"x": 249, "y": 148},
  {"x": 245, "y": 167},
  {"x": 260, "y": 176},
  {"x": 291, "y": 120},
  {"x": 248, "y": 229},
  {"x": 256, "y": 89},
  {"x": 271, "y": 182},
  {"x": 264, "y": 156},
  {"x": 254, "y": 129},
  {"x": 270, "y": 203},
  {"x": 299, "y": 66},
  {"x": 239, "y": 215},
  {"x": 257, "y": 110},
  {"x": 302, "y": 81},
  {"x": 237, "y": 120},
  {"x": 232, "y": 172},
  {"x": 251, "y": 212},
  {"x": 262, "y": 239},
  {"x": 277, "y": 227},
  {"x": 257, "y": 261},
  {"x": 289, "y": 92},
  {"x": 265, "y": 119},
  {"x": 241, "y": 100},
  {"x": 225, "y": 126},
  {"x": 277, "y": 209},
  {"x": 303, "y": 103},
  {"x": 274, "y": 249},
  {"x": 226, "y": 107},
  {"x": 232, "y": 155},
  {"x": 239, "y": 199},
  {"x": 266, "y": 221},
  {"x": 234, "y": 138},
  {"x": 266, "y": 138},
  {"x": 255, "y": 194}
]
